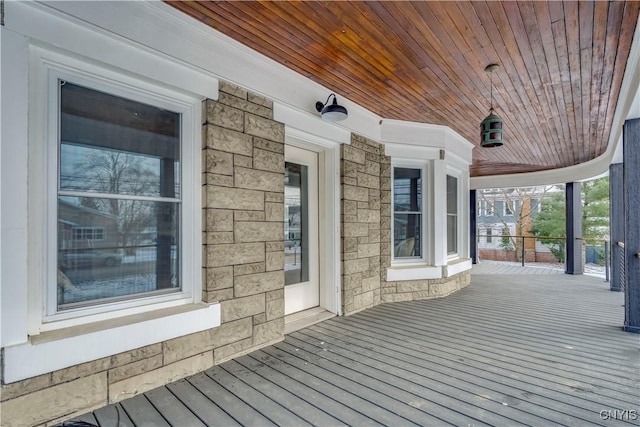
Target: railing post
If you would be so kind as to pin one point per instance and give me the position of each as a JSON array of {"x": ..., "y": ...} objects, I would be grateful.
[
  {"x": 523, "y": 251},
  {"x": 606, "y": 261}
]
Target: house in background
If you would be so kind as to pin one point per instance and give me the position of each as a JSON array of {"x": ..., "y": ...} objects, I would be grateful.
[
  {"x": 177, "y": 128},
  {"x": 506, "y": 212}
]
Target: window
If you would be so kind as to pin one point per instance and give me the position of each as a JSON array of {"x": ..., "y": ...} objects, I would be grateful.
[
  {"x": 489, "y": 234},
  {"x": 121, "y": 182},
  {"x": 452, "y": 215},
  {"x": 507, "y": 208},
  {"x": 407, "y": 212},
  {"x": 482, "y": 208},
  {"x": 119, "y": 193}
]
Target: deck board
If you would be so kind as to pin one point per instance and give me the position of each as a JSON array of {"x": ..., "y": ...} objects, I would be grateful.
[{"x": 508, "y": 350}]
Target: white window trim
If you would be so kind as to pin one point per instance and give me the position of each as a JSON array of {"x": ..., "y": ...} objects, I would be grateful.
[
  {"x": 425, "y": 217},
  {"x": 456, "y": 173},
  {"x": 46, "y": 66}
]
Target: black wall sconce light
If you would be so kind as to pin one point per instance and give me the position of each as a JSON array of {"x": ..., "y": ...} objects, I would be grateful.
[
  {"x": 492, "y": 127},
  {"x": 331, "y": 112}
]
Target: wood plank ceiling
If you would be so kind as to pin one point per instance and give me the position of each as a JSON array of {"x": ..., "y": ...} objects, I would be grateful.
[{"x": 561, "y": 65}]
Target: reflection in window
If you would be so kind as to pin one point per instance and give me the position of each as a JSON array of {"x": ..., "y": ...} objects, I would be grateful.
[
  {"x": 407, "y": 212},
  {"x": 296, "y": 223},
  {"x": 118, "y": 198},
  {"x": 452, "y": 215}
]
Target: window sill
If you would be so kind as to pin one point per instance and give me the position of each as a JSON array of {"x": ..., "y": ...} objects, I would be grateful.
[
  {"x": 71, "y": 346},
  {"x": 413, "y": 272},
  {"x": 456, "y": 266}
]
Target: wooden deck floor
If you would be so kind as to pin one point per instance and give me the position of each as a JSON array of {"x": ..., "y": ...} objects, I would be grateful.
[{"x": 508, "y": 350}]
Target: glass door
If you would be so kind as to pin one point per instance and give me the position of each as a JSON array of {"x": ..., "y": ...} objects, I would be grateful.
[{"x": 301, "y": 230}]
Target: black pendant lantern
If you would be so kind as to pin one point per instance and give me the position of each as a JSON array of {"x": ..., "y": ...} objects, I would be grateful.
[{"x": 491, "y": 128}]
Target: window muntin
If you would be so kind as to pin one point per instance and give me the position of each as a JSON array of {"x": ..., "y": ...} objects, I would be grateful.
[
  {"x": 452, "y": 215},
  {"x": 119, "y": 171},
  {"x": 408, "y": 196},
  {"x": 489, "y": 234}
]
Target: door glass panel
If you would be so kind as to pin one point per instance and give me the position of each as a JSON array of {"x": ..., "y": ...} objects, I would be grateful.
[{"x": 296, "y": 223}]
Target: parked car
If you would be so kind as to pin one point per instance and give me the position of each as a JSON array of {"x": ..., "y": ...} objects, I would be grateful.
[{"x": 90, "y": 258}]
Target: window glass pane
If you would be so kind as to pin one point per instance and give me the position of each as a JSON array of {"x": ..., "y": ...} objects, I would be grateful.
[
  {"x": 452, "y": 195},
  {"x": 406, "y": 235},
  {"x": 452, "y": 215},
  {"x": 407, "y": 190},
  {"x": 452, "y": 234},
  {"x": 114, "y": 145},
  {"x": 114, "y": 248},
  {"x": 296, "y": 211}
]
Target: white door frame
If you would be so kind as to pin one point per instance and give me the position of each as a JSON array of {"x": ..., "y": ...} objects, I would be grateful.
[
  {"x": 305, "y": 295},
  {"x": 329, "y": 213}
]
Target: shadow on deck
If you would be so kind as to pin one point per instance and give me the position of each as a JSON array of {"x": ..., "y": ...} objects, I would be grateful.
[{"x": 541, "y": 350}]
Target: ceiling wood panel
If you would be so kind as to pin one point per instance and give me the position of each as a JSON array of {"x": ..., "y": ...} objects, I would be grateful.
[{"x": 561, "y": 65}]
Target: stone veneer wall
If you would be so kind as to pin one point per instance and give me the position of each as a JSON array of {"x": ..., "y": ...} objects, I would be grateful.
[
  {"x": 360, "y": 172},
  {"x": 366, "y": 234},
  {"x": 243, "y": 187}
]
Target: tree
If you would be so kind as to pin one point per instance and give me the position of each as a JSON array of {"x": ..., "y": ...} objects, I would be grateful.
[
  {"x": 595, "y": 216},
  {"x": 550, "y": 222}
]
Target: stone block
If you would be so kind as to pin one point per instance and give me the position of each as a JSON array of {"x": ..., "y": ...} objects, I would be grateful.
[
  {"x": 275, "y": 246},
  {"x": 258, "y": 283},
  {"x": 135, "y": 355},
  {"x": 219, "y": 237},
  {"x": 412, "y": 286},
  {"x": 248, "y": 215},
  {"x": 169, "y": 373},
  {"x": 259, "y": 319},
  {"x": 29, "y": 385},
  {"x": 235, "y": 198},
  {"x": 349, "y": 244},
  {"x": 265, "y": 144},
  {"x": 374, "y": 203},
  {"x": 268, "y": 332},
  {"x": 368, "y": 250},
  {"x": 363, "y": 300},
  {"x": 385, "y": 184},
  {"x": 243, "y": 161},
  {"x": 259, "y": 180},
  {"x": 229, "y": 140},
  {"x": 219, "y": 180},
  {"x": 351, "y": 192},
  {"x": 39, "y": 407},
  {"x": 229, "y": 351},
  {"x": 347, "y": 180},
  {"x": 349, "y": 169},
  {"x": 443, "y": 289},
  {"x": 368, "y": 215},
  {"x": 244, "y": 269},
  {"x": 260, "y": 100},
  {"x": 274, "y": 197},
  {"x": 374, "y": 236},
  {"x": 219, "y": 162},
  {"x": 275, "y": 309},
  {"x": 234, "y": 254},
  {"x": 135, "y": 368},
  {"x": 355, "y": 266},
  {"x": 407, "y": 296},
  {"x": 242, "y": 307},
  {"x": 263, "y": 128},
  {"x": 219, "y": 220},
  {"x": 385, "y": 197},
  {"x": 355, "y": 230},
  {"x": 258, "y": 231},
  {"x": 372, "y": 168},
  {"x": 349, "y": 218},
  {"x": 277, "y": 294},
  {"x": 349, "y": 256},
  {"x": 232, "y": 90},
  {"x": 421, "y": 295},
  {"x": 219, "y": 278},
  {"x": 353, "y": 154},
  {"x": 81, "y": 370},
  {"x": 368, "y": 181},
  {"x": 268, "y": 160},
  {"x": 352, "y": 281},
  {"x": 224, "y": 115},
  {"x": 244, "y": 105},
  {"x": 274, "y": 212},
  {"x": 350, "y": 207},
  {"x": 217, "y": 295},
  {"x": 275, "y": 261}
]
